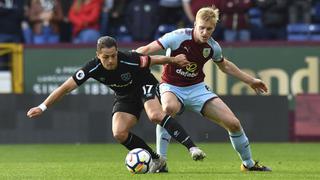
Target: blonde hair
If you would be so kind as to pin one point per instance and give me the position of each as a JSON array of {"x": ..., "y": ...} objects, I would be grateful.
[{"x": 210, "y": 13}]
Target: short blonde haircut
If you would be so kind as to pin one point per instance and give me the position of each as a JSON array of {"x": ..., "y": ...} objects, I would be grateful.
[{"x": 208, "y": 14}]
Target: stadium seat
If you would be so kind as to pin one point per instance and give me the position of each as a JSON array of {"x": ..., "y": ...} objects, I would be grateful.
[
  {"x": 164, "y": 28},
  {"x": 316, "y": 12},
  {"x": 298, "y": 32},
  {"x": 255, "y": 17},
  {"x": 123, "y": 34},
  {"x": 315, "y": 32}
]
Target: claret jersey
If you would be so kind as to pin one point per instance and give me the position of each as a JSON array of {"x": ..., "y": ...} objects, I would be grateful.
[
  {"x": 181, "y": 41},
  {"x": 132, "y": 72}
]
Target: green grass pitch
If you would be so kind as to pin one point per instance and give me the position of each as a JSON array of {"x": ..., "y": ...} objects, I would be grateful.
[{"x": 106, "y": 161}]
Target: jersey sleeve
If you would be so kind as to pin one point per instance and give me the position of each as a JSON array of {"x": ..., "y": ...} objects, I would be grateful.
[
  {"x": 217, "y": 51},
  {"x": 83, "y": 74},
  {"x": 140, "y": 60},
  {"x": 172, "y": 39}
]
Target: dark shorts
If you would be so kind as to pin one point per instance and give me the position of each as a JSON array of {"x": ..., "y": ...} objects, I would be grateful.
[{"x": 133, "y": 103}]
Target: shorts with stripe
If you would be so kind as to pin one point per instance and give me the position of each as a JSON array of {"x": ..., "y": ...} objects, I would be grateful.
[{"x": 191, "y": 97}]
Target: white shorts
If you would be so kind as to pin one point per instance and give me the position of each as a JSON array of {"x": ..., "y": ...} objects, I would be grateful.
[{"x": 192, "y": 97}]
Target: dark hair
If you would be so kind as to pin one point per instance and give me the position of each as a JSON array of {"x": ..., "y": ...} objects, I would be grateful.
[{"x": 106, "y": 42}]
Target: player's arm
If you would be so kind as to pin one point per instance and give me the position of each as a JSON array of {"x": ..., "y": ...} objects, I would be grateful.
[
  {"x": 180, "y": 60},
  {"x": 150, "y": 48},
  {"x": 230, "y": 68},
  {"x": 56, "y": 95}
]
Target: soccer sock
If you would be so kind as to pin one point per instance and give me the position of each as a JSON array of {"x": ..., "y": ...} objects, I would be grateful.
[
  {"x": 241, "y": 144},
  {"x": 134, "y": 141},
  {"x": 177, "y": 131},
  {"x": 163, "y": 140}
]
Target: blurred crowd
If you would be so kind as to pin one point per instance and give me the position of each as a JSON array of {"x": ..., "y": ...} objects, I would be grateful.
[{"x": 83, "y": 21}]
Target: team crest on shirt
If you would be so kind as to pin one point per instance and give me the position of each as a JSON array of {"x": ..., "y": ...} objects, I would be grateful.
[
  {"x": 126, "y": 76},
  {"x": 206, "y": 52}
]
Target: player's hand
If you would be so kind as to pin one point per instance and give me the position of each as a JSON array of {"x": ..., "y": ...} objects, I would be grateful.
[
  {"x": 259, "y": 86},
  {"x": 181, "y": 60},
  {"x": 34, "y": 112}
]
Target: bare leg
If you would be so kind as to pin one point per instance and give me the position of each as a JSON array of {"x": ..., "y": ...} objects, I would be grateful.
[{"x": 216, "y": 110}]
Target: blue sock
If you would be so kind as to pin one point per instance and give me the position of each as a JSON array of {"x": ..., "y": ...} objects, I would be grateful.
[
  {"x": 163, "y": 140},
  {"x": 241, "y": 144}
]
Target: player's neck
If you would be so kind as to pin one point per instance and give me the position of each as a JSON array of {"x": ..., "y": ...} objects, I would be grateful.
[{"x": 195, "y": 39}]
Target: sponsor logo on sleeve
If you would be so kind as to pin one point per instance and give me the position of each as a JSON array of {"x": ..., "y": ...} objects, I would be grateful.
[{"x": 80, "y": 75}]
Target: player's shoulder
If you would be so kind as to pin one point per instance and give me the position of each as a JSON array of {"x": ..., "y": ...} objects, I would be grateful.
[
  {"x": 93, "y": 62},
  {"x": 213, "y": 43},
  {"x": 175, "y": 38},
  {"x": 182, "y": 32},
  {"x": 127, "y": 55},
  {"x": 92, "y": 65},
  {"x": 217, "y": 55},
  {"x": 123, "y": 54}
]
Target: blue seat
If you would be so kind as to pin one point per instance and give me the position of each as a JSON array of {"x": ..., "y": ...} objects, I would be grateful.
[
  {"x": 255, "y": 17},
  {"x": 298, "y": 32},
  {"x": 314, "y": 32},
  {"x": 123, "y": 34},
  {"x": 163, "y": 29}
]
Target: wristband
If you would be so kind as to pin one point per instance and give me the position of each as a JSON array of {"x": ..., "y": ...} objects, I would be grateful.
[{"x": 43, "y": 107}]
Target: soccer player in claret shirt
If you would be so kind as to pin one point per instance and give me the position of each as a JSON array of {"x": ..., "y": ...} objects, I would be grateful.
[
  {"x": 128, "y": 74},
  {"x": 184, "y": 87}
]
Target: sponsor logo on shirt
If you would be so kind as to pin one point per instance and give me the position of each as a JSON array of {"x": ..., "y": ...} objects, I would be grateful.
[
  {"x": 186, "y": 48},
  {"x": 80, "y": 75},
  {"x": 186, "y": 74},
  {"x": 121, "y": 85},
  {"x": 191, "y": 68}
]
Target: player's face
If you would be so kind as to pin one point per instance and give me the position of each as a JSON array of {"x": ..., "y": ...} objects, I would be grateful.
[
  {"x": 108, "y": 57},
  {"x": 203, "y": 30}
]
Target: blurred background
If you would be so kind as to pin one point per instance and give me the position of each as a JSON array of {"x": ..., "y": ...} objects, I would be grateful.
[{"x": 43, "y": 42}]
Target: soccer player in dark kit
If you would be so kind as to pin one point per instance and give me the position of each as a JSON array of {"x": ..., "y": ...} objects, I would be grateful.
[{"x": 128, "y": 74}]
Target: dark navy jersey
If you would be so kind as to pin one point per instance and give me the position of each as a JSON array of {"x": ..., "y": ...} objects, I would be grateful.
[{"x": 131, "y": 73}]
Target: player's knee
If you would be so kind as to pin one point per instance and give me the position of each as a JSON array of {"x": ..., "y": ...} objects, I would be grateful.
[
  {"x": 169, "y": 110},
  {"x": 234, "y": 126},
  {"x": 156, "y": 117},
  {"x": 120, "y": 136}
]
